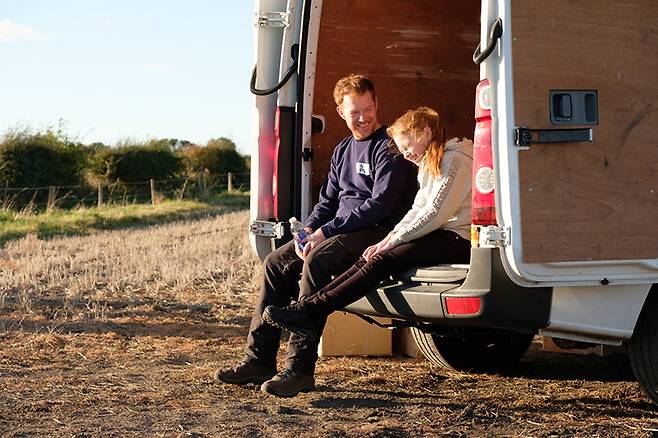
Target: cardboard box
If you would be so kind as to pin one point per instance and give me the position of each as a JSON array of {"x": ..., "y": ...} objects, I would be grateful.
[
  {"x": 548, "y": 344},
  {"x": 404, "y": 344},
  {"x": 348, "y": 335}
]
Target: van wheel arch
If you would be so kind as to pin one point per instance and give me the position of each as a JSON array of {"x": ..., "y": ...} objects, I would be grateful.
[{"x": 643, "y": 346}]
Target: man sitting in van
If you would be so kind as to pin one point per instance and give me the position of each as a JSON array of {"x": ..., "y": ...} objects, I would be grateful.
[{"x": 368, "y": 190}]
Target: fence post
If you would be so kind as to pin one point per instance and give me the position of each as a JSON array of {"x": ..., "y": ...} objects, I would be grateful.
[
  {"x": 230, "y": 182},
  {"x": 52, "y": 195},
  {"x": 100, "y": 194},
  {"x": 153, "y": 200},
  {"x": 202, "y": 184}
]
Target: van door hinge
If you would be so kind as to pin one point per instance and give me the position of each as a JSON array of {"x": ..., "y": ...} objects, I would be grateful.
[
  {"x": 272, "y": 19},
  {"x": 307, "y": 154},
  {"x": 267, "y": 229},
  {"x": 495, "y": 236},
  {"x": 526, "y": 136}
]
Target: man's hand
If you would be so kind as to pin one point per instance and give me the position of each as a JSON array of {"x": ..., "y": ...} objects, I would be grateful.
[
  {"x": 313, "y": 240},
  {"x": 373, "y": 250},
  {"x": 298, "y": 251}
]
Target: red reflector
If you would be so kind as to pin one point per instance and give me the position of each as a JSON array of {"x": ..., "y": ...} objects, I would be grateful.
[
  {"x": 462, "y": 306},
  {"x": 483, "y": 208}
]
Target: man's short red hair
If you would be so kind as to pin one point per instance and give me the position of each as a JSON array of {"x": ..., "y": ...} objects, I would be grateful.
[{"x": 352, "y": 84}]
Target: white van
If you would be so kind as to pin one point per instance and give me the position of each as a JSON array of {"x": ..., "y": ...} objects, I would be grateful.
[{"x": 565, "y": 185}]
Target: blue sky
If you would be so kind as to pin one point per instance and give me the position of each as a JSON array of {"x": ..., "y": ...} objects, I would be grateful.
[{"x": 113, "y": 70}]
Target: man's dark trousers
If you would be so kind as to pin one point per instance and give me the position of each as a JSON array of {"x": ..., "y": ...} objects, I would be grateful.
[{"x": 281, "y": 284}]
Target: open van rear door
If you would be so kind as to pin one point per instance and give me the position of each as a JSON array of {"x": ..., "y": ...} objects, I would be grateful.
[
  {"x": 274, "y": 84},
  {"x": 575, "y": 139}
]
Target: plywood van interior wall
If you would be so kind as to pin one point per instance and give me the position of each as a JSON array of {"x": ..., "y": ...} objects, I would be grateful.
[{"x": 416, "y": 53}]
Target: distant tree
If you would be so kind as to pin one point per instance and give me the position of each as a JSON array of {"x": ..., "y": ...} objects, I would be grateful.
[
  {"x": 218, "y": 157},
  {"x": 172, "y": 143},
  {"x": 179, "y": 144},
  {"x": 96, "y": 146},
  {"x": 222, "y": 143}
]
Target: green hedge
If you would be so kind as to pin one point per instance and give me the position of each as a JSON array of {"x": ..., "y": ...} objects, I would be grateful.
[
  {"x": 41, "y": 159},
  {"x": 136, "y": 163}
]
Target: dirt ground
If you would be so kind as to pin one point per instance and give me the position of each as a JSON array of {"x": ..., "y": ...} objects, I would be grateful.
[{"x": 97, "y": 363}]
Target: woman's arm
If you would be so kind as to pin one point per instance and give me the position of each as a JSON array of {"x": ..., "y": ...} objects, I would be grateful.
[
  {"x": 419, "y": 203},
  {"x": 448, "y": 193}
]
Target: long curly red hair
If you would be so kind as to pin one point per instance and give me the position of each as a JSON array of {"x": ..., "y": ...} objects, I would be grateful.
[{"x": 413, "y": 124}]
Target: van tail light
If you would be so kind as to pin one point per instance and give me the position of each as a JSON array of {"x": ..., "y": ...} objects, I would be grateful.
[
  {"x": 462, "y": 305},
  {"x": 275, "y": 170},
  {"x": 483, "y": 208}
]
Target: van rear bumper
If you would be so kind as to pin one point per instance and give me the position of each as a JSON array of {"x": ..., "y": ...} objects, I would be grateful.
[{"x": 503, "y": 304}]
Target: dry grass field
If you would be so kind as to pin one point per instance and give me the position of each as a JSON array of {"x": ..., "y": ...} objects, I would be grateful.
[{"x": 117, "y": 334}]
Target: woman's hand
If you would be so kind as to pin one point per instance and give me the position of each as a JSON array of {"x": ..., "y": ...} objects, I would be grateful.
[{"x": 373, "y": 250}]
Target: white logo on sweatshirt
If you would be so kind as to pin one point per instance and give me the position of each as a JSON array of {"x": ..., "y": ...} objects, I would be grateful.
[{"x": 363, "y": 168}]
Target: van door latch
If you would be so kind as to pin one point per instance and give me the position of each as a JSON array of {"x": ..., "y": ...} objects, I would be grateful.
[
  {"x": 272, "y": 19},
  {"x": 526, "y": 136}
]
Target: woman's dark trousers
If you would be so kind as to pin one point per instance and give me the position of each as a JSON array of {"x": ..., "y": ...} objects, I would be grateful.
[{"x": 437, "y": 247}]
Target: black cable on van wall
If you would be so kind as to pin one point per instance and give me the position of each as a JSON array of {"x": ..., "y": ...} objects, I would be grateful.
[{"x": 293, "y": 68}]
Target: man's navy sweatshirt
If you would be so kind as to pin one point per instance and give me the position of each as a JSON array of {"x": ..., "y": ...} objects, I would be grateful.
[{"x": 368, "y": 184}]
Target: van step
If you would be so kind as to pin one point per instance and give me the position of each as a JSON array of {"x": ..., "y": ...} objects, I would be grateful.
[
  {"x": 417, "y": 303},
  {"x": 448, "y": 273},
  {"x": 435, "y": 288}
]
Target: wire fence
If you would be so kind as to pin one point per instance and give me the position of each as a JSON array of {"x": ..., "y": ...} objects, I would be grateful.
[{"x": 200, "y": 186}]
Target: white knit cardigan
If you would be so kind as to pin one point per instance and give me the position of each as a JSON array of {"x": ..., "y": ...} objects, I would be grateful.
[{"x": 441, "y": 202}]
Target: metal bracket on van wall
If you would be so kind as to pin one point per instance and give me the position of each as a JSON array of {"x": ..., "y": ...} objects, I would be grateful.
[
  {"x": 526, "y": 136},
  {"x": 267, "y": 229},
  {"x": 272, "y": 19},
  {"x": 495, "y": 236}
]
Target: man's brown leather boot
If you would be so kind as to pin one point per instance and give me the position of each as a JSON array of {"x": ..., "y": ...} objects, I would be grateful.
[
  {"x": 245, "y": 372},
  {"x": 288, "y": 383}
]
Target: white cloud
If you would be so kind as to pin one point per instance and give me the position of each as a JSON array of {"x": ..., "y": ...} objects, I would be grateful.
[{"x": 11, "y": 32}]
